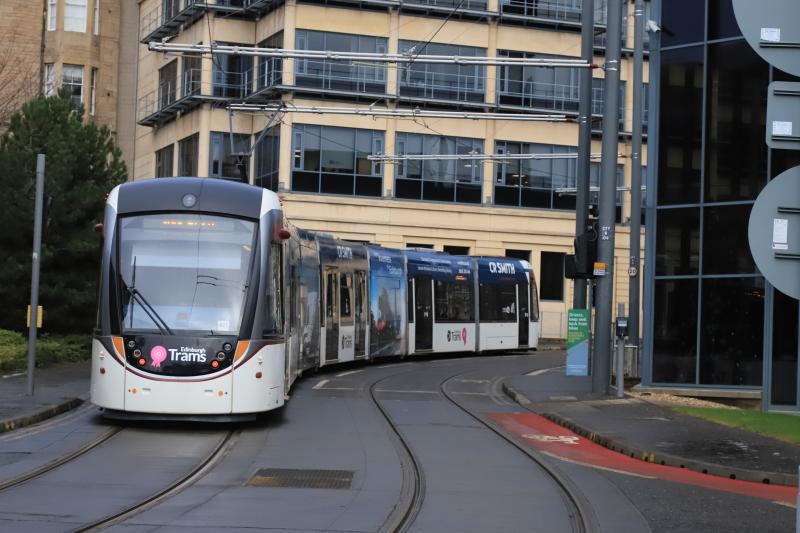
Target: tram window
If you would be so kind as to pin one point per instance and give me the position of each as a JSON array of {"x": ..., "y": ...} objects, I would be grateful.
[
  {"x": 498, "y": 303},
  {"x": 344, "y": 287},
  {"x": 274, "y": 321},
  {"x": 453, "y": 302},
  {"x": 534, "y": 302}
]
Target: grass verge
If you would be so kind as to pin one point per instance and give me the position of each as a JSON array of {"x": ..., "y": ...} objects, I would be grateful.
[
  {"x": 50, "y": 349},
  {"x": 775, "y": 425}
]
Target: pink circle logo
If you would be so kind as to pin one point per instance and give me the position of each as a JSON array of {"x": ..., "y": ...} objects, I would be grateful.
[
  {"x": 464, "y": 335},
  {"x": 157, "y": 355}
]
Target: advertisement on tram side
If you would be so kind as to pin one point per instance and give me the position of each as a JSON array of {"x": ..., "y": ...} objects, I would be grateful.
[{"x": 387, "y": 303}]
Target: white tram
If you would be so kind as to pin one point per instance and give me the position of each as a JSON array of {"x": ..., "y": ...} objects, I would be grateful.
[{"x": 211, "y": 305}]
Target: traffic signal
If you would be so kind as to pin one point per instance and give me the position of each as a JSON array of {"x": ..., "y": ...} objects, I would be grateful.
[{"x": 586, "y": 250}]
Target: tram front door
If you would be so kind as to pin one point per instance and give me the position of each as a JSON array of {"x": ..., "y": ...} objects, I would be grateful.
[
  {"x": 423, "y": 309},
  {"x": 524, "y": 313}
]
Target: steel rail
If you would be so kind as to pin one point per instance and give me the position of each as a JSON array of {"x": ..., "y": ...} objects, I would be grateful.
[
  {"x": 413, "y": 491},
  {"x": 184, "y": 482},
  {"x": 580, "y": 512},
  {"x": 52, "y": 465}
]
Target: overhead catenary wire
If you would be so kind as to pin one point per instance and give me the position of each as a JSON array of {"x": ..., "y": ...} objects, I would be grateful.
[
  {"x": 396, "y": 113},
  {"x": 473, "y": 157},
  {"x": 286, "y": 53}
]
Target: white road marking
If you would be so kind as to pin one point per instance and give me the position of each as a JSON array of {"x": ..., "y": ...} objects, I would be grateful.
[
  {"x": 473, "y": 380},
  {"x": 472, "y": 393},
  {"x": 320, "y": 384},
  {"x": 538, "y": 372},
  {"x": 14, "y": 375},
  {"x": 349, "y": 372},
  {"x": 410, "y": 391}
]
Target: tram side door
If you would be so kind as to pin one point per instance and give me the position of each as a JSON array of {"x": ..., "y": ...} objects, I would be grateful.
[
  {"x": 423, "y": 309},
  {"x": 361, "y": 314},
  {"x": 331, "y": 315},
  {"x": 524, "y": 313}
]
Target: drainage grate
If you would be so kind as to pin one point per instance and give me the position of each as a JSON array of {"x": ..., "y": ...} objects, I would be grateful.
[{"x": 302, "y": 479}]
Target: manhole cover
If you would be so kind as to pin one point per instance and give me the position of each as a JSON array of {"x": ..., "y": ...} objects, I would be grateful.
[{"x": 302, "y": 479}]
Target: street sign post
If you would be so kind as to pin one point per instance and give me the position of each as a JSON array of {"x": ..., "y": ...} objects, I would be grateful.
[
  {"x": 771, "y": 28},
  {"x": 774, "y": 232},
  {"x": 783, "y": 115}
]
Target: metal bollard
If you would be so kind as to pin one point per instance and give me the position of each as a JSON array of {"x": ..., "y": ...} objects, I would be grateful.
[{"x": 797, "y": 506}]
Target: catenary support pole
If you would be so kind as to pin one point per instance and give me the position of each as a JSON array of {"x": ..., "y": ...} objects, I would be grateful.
[
  {"x": 584, "y": 139},
  {"x": 608, "y": 190},
  {"x": 620, "y": 370},
  {"x": 636, "y": 177},
  {"x": 37, "y": 251}
]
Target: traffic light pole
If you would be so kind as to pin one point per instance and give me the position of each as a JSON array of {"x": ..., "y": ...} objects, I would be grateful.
[
  {"x": 636, "y": 175},
  {"x": 584, "y": 139},
  {"x": 608, "y": 192}
]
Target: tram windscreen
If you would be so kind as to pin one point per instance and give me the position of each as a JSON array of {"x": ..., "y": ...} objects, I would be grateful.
[{"x": 184, "y": 272}]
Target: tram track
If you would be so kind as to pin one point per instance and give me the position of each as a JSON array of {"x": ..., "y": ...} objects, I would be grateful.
[
  {"x": 210, "y": 461},
  {"x": 60, "y": 461},
  {"x": 412, "y": 493},
  {"x": 582, "y": 518}
]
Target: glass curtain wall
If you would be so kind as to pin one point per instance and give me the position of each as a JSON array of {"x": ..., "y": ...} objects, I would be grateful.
[
  {"x": 334, "y": 160},
  {"x": 438, "y": 180},
  {"x": 337, "y": 75},
  {"x": 708, "y": 300},
  {"x": 460, "y": 83},
  {"x": 535, "y": 182}
]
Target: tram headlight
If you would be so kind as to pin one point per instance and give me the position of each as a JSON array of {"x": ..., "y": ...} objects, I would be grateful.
[
  {"x": 214, "y": 364},
  {"x": 220, "y": 355}
]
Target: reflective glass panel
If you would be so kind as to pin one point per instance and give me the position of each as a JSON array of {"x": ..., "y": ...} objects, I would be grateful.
[
  {"x": 726, "y": 249},
  {"x": 784, "y": 349},
  {"x": 732, "y": 331},
  {"x": 675, "y": 331},
  {"x": 684, "y": 20},
  {"x": 736, "y": 153},
  {"x": 677, "y": 241},
  {"x": 681, "y": 113}
]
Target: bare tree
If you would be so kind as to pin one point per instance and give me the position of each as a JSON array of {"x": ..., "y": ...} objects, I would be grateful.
[{"x": 19, "y": 79}]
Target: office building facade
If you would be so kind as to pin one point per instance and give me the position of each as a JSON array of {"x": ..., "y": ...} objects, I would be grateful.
[
  {"x": 318, "y": 163},
  {"x": 712, "y": 321}
]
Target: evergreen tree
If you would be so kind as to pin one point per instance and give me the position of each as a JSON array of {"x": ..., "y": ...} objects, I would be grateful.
[{"x": 83, "y": 164}]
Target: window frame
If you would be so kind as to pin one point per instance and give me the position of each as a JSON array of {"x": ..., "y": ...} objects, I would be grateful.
[
  {"x": 74, "y": 69},
  {"x": 75, "y": 5}
]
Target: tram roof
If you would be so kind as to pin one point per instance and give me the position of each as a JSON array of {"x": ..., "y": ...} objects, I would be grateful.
[{"x": 212, "y": 195}]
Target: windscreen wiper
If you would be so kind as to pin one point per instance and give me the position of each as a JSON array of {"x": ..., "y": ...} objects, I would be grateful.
[{"x": 160, "y": 323}]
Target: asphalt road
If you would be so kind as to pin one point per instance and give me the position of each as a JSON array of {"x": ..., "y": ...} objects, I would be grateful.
[{"x": 409, "y": 446}]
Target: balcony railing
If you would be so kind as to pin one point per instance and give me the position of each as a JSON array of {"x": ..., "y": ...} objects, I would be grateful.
[
  {"x": 538, "y": 95},
  {"x": 344, "y": 76},
  {"x": 442, "y": 86},
  {"x": 167, "y": 18},
  {"x": 171, "y": 97},
  {"x": 543, "y": 9},
  {"x": 466, "y": 5}
]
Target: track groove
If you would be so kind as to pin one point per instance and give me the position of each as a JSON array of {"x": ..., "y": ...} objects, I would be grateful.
[
  {"x": 581, "y": 514},
  {"x": 413, "y": 492},
  {"x": 36, "y": 472},
  {"x": 189, "y": 479}
]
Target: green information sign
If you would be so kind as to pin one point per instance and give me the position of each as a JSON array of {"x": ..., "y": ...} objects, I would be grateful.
[{"x": 578, "y": 342}]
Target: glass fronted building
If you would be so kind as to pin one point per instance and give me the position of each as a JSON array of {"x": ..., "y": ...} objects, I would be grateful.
[{"x": 712, "y": 321}]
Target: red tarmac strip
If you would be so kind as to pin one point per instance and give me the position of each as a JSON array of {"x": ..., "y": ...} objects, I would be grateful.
[{"x": 559, "y": 442}]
